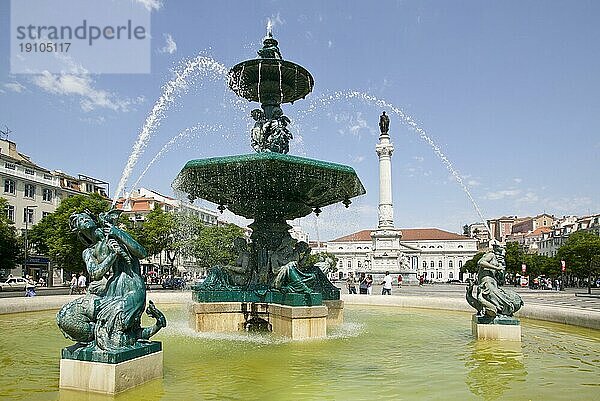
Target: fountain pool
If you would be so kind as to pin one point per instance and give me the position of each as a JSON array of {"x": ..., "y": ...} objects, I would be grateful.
[{"x": 379, "y": 353}]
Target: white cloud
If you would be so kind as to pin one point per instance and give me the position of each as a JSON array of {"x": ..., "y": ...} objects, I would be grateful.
[
  {"x": 518, "y": 180},
  {"x": 150, "y": 4},
  {"x": 275, "y": 20},
  {"x": 82, "y": 86},
  {"x": 358, "y": 159},
  {"x": 473, "y": 183},
  {"x": 329, "y": 44},
  {"x": 420, "y": 159},
  {"x": 14, "y": 87},
  {"x": 529, "y": 197},
  {"x": 170, "y": 45},
  {"x": 505, "y": 193}
]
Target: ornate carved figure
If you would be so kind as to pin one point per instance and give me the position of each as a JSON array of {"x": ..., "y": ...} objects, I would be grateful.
[
  {"x": 108, "y": 316},
  {"x": 286, "y": 263},
  {"x": 270, "y": 134},
  {"x": 490, "y": 299},
  {"x": 384, "y": 123}
]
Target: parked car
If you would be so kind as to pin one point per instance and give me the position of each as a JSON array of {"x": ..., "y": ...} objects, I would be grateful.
[
  {"x": 14, "y": 284},
  {"x": 175, "y": 283}
]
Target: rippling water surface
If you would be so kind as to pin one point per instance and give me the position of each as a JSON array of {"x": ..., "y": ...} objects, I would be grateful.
[{"x": 378, "y": 354}]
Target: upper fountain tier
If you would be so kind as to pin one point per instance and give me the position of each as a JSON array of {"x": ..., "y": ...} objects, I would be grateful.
[{"x": 269, "y": 79}]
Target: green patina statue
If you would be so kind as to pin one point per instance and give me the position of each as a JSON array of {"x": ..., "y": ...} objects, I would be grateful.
[
  {"x": 490, "y": 300},
  {"x": 108, "y": 317}
]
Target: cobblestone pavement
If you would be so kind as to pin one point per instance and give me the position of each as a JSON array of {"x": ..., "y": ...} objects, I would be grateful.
[{"x": 566, "y": 299}]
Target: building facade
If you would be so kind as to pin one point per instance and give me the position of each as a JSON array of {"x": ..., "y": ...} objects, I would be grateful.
[
  {"x": 32, "y": 192},
  {"x": 435, "y": 254}
]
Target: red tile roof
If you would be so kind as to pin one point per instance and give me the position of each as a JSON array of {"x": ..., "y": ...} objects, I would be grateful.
[{"x": 408, "y": 234}]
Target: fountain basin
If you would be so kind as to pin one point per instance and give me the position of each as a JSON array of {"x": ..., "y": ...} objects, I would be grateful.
[
  {"x": 274, "y": 184},
  {"x": 379, "y": 353},
  {"x": 270, "y": 81}
]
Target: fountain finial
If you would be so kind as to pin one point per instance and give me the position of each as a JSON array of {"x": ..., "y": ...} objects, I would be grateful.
[{"x": 270, "y": 47}]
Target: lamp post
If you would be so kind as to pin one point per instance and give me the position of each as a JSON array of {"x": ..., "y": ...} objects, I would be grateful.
[
  {"x": 27, "y": 208},
  {"x": 563, "y": 267}
]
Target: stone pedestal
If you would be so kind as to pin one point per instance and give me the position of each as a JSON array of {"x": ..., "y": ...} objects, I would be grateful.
[
  {"x": 335, "y": 312},
  {"x": 298, "y": 322},
  {"x": 508, "y": 329},
  {"x": 110, "y": 378},
  {"x": 295, "y": 322}
]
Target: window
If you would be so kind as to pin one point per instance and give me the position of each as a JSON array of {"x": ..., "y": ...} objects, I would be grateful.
[
  {"x": 9, "y": 186},
  {"x": 460, "y": 246},
  {"x": 349, "y": 264},
  {"x": 47, "y": 176},
  {"x": 44, "y": 214},
  {"x": 10, "y": 212},
  {"x": 29, "y": 171},
  {"x": 432, "y": 264},
  {"x": 460, "y": 263},
  {"x": 359, "y": 264},
  {"x": 10, "y": 166},
  {"x": 424, "y": 263},
  {"x": 450, "y": 275},
  {"x": 450, "y": 264},
  {"x": 89, "y": 188},
  {"x": 439, "y": 274},
  {"x": 29, "y": 191},
  {"x": 28, "y": 215},
  {"x": 440, "y": 264},
  {"x": 47, "y": 195}
]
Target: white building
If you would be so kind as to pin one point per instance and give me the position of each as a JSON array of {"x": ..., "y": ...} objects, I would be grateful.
[{"x": 435, "y": 254}]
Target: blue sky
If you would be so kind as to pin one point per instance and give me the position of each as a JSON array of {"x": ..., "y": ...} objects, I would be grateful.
[{"x": 507, "y": 89}]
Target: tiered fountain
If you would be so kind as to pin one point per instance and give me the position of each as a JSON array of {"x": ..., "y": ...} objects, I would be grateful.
[{"x": 271, "y": 287}]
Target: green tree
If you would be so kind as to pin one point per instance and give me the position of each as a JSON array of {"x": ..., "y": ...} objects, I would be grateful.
[
  {"x": 53, "y": 236},
  {"x": 156, "y": 233},
  {"x": 214, "y": 245},
  {"x": 515, "y": 257},
  {"x": 10, "y": 246},
  {"x": 470, "y": 265},
  {"x": 581, "y": 253}
]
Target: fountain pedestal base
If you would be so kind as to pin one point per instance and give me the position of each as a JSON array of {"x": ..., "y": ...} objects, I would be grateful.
[
  {"x": 295, "y": 322},
  {"x": 110, "y": 378},
  {"x": 508, "y": 329}
]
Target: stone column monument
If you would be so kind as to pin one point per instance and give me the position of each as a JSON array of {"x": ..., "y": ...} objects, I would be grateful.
[{"x": 387, "y": 253}]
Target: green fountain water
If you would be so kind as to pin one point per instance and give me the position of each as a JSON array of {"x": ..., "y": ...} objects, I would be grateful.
[{"x": 379, "y": 353}]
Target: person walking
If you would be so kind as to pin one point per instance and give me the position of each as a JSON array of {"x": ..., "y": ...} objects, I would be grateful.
[
  {"x": 351, "y": 283},
  {"x": 30, "y": 287},
  {"x": 369, "y": 284},
  {"x": 73, "y": 284},
  {"x": 387, "y": 284},
  {"x": 399, "y": 280},
  {"x": 363, "y": 284},
  {"x": 421, "y": 279},
  {"x": 81, "y": 283}
]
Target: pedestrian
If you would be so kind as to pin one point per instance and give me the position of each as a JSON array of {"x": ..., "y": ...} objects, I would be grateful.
[
  {"x": 399, "y": 280},
  {"x": 29, "y": 287},
  {"x": 421, "y": 279},
  {"x": 369, "y": 284},
  {"x": 81, "y": 283},
  {"x": 73, "y": 284},
  {"x": 351, "y": 283},
  {"x": 387, "y": 284},
  {"x": 363, "y": 284}
]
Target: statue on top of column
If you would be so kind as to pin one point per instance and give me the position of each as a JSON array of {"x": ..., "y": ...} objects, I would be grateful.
[{"x": 384, "y": 123}]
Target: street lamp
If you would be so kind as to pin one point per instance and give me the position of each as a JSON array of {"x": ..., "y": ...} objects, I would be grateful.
[{"x": 27, "y": 208}]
